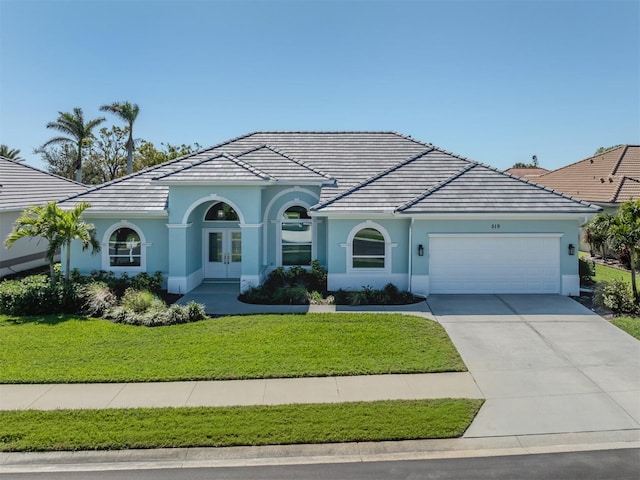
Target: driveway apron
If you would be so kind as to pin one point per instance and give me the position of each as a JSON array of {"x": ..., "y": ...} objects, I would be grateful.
[{"x": 545, "y": 364}]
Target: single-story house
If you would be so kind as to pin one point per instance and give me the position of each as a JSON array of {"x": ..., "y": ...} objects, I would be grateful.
[
  {"x": 22, "y": 186},
  {"x": 606, "y": 179},
  {"x": 372, "y": 207}
]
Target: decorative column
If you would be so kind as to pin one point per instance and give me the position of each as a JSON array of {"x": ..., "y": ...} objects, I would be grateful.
[{"x": 178, "y": 281}]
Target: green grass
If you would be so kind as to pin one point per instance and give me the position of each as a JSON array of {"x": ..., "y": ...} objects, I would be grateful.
[
  {"x": 59, "y": 349},
  {"x": 631, "y": 325},
  {"x": 605, "y": 273},
  {"x": 32, "y": 430}
]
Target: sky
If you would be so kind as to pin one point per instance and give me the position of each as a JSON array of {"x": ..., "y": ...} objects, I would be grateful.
[{"x": 494, "y": 81}]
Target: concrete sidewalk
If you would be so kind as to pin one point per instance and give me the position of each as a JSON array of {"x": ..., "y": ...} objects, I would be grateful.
[{"x": 238, "y": 392}]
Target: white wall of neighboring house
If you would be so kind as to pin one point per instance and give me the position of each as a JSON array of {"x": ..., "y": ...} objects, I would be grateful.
[{"x": 25, "y": 254}]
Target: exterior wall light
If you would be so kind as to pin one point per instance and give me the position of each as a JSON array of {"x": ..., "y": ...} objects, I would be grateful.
[
  {"x": 572, "y": 249},
  {"x": 420, "y": 250}
]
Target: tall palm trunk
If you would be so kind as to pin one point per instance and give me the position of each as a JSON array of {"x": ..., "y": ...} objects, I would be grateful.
[
  {"x": 130, "y": 152},
  {"x": 79, "y": 164}
]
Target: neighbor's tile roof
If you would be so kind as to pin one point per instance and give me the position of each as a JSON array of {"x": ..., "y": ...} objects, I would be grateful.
[
  {"x": 358, "y": 171},
  {"x": 609, "y": 177},
  {"x": 526, "y": 172},
  {"x": 22, "y": 185}
]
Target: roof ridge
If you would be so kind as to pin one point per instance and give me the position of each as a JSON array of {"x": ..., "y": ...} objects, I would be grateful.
[
  {"x": 614, "y": 197},
  {"x": 247, "y": 166},
  {"x": 584, "y": 160},
  {"x": 298, "y": 162},
  {"x": 436, "y": 187},
  {"x": 619, "y": 161},
  {"x": 371, "y": 179}
]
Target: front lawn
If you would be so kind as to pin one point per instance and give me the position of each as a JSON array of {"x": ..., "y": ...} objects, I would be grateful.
[
  {"x": 631, "y": 325},
  {"x": 64, "y": 349},
  {"x": 32, "y": 430}
]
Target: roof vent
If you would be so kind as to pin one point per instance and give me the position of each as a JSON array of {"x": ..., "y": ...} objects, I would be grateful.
[
  {"x": 591, "y": 160},
  {"x": 610, "y": 180},
  {"x": 601, "y": 180}
]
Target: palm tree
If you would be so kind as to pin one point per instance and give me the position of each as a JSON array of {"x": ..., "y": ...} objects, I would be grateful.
[
  {"x": 626, "y": 234},
  {"x": 79, "y": 133},
  {"x": 598, "y": 233},
  {"x": 12, "y": 153},
  {"x": 59, "y": 227},
  {"x": 128, "y": 112}
]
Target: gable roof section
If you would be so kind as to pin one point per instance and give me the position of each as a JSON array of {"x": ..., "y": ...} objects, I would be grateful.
[
  {"x": 477, "y": 188},
  {"x": 262, "y": 163},
  {"x": 22, "y": 185},
  {"x": 600, "y": 178},
  {"x": 396, "y": 185}
]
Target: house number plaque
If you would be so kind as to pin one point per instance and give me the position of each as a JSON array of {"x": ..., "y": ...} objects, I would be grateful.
[{"x": 495, "y": 226}]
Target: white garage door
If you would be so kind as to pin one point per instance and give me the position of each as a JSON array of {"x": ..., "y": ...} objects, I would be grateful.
[{"x": 494, "y": 263}]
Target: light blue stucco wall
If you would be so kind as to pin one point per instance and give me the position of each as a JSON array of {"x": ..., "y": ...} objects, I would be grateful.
[
  {"x": 568, "y": 228},
  {"x": 154, "y": 231}
]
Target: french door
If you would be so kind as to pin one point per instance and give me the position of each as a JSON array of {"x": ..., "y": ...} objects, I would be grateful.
[{"x": 222, "y": 253}]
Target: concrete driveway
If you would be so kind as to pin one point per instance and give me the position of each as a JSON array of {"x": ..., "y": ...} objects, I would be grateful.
[{"x": 545, "y": 364}]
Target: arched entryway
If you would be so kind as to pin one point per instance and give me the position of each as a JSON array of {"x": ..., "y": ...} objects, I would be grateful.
[{"x": 222, "y": 242}]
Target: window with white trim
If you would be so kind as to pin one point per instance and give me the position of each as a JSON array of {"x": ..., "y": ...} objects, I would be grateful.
[
  {"x": 368, "y": 249},
  {"x": 296, "y": 236},
  {"x": 125, "y": 248}
]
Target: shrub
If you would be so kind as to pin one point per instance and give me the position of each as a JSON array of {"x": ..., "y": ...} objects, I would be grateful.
[
  {"x": 586, "y": 270},
  {"x": 140, "y": 301},
  {"x": 35, "y": 295},
  {"x": 289, "y": 286},
  {"x": 615, "y": 295},
  {"x": 97, "y": 298}
]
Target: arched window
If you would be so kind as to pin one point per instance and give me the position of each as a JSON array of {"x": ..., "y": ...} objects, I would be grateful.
[
  {"x": 296, "y": 236},
  {"x": 125, "y": 248},
  {"x": 221, "y": 211},
  {"x": 369, "y": 249}
]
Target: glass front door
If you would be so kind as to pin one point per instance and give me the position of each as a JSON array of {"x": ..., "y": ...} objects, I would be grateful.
[{"x": 222, "y": 253}]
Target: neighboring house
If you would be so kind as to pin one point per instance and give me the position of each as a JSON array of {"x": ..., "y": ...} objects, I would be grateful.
[
  {"x": 527, "y": 173},
  {"x": 373, "y": 207},
  {"x": 607, "y": 179},
  {"x": 22, "y": 186}
]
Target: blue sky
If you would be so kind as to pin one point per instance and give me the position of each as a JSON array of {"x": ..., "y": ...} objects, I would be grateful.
[{"x": 495, "y": 81}]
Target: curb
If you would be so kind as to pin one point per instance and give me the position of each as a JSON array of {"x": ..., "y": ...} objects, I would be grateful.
[{"x": 175, "y": 458}]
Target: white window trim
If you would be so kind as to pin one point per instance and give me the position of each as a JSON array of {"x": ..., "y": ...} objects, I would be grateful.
[
  {"x": 294, "y": 203},
  {"x": 106, "y": 264},
  {"x": 388, "y": 245}
]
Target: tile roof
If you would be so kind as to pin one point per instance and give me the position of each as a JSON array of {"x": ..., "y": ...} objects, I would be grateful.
[
  {"x": 480, "y": 189},
  {"x": 262, "y": 163},
  {"x": 22, "y": 185},
  {"x": 358, "y": 171},
  {"x": 601, "y": 178},
  {"x": 526, "y": 172}
]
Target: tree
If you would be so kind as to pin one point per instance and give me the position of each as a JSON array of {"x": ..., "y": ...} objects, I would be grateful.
[
  {"x": 60, "y": 159},
  {"x": 128, "y": 112},
  {"x": 598, "y": 232},
  {"x": 605, "y": 149},
  {"x": 78, "y": 133},
  {"x": 11, "y": 153},
  {"x": 626, "y": 234},
  {"x": 59, "y": 227},
  {"x": 148, "y": 155},
  {"x": 533, "y": 164},
  {"x": 107, "y": 157}
]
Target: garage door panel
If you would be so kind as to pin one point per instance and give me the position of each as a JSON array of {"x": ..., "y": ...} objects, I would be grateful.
[{"x": 494, "y": 264}]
